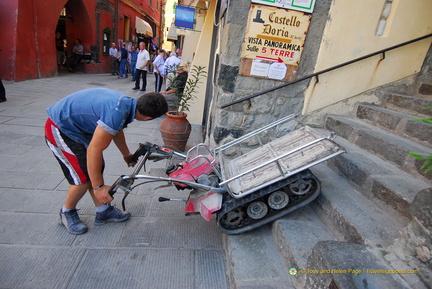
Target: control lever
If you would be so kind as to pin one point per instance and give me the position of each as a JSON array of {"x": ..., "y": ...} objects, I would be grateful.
[{"x": 162, "y": 199}]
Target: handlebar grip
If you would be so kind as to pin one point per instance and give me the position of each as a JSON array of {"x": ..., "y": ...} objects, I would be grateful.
[
  {"x": 162, "y": 199},
  {"x": 112, "y": 190}
]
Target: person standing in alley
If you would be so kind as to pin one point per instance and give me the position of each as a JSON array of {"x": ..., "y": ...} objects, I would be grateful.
[
  {"x": 141, "y": 67},
  {"x": 123, "y": 60},
  {"x": 159, "y": 70},
  {"x": 78, "y": 129},
  {"x": 61, "y": 56},
  {"x": 113, "y": 59},
  {"x": 133, "y": 61}
]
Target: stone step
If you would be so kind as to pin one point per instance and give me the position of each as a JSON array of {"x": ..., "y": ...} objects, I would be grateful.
[
  {"x": 350, "y": 215},
  {"x": 253, "y": 261},
  {"x": 334, "y": 264},
  {"x": 387, "y": 146},
  {"x": 380, "y": 181},
  {"x": 410, "y": 104},
  {"x": 396, "y": 122},
  {"x": 295, "y": 236},
  {"x": 425, "y": 89}
]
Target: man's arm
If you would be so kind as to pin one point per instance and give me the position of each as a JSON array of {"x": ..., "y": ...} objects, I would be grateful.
[
  {"x": 120, "y": 142},
  {"x": 100, "y": 141}
]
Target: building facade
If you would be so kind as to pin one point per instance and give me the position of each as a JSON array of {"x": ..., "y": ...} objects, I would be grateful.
[{"x": 28, "y": 39}]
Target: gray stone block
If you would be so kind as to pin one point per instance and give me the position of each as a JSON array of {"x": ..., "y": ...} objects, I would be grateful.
[
  {"x": 335, "y": 264},
  {"x": 425, "y": 89},
  {"x": 254, "y": 261},
  {"x": 378, "y": 180},
  {"x": 396, "y": 122},
  {"x": 410, "y": 104},
  {"x": 295, "y": 235},
  {"x": 351, "y": 216},
  {"x": 421, "y": 208},
  {"x": 375, "y": 140},
  {"x": 381, "y": 117}
]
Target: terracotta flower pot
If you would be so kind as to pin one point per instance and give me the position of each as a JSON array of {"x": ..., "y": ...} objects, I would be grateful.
[{"x": 175, "y": 130}]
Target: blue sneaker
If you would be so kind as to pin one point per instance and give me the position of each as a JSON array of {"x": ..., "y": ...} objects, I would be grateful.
[
  {"x": 112, "y": 214},
  {"x": 72, "y": 222}
]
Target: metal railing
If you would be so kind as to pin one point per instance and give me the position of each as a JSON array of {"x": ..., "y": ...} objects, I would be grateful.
[{"x": 316, "y": 74}]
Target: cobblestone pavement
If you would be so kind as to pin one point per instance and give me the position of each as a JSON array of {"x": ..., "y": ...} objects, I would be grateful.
[{"x": 157, "y": 248}]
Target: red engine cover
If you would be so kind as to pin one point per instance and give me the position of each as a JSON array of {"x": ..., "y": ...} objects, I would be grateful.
[{"x": 191, "y": 171}]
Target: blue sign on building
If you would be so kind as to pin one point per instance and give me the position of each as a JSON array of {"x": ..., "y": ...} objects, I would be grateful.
[{"x": 185, "y": 17}]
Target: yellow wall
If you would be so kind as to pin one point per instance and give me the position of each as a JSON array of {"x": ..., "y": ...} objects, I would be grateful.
[
  {"x": 169, "y": 18},
  {"x": 350, "y": 33},
  {"x": 202, "y": 58},
  {"x": 192, "y": 37}
]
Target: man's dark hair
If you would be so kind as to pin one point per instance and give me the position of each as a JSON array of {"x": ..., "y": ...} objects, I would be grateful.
[{"x": 152, "y": 104}]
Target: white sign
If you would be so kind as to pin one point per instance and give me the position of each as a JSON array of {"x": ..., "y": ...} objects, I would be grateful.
[
  {"x": 299, "y": 5},
  {"x": 277, "y": 71},
  {"x": 259, "y": 68}
]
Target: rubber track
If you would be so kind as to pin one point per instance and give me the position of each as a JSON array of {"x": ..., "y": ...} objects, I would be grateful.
[{"x": 230, "y": 203}]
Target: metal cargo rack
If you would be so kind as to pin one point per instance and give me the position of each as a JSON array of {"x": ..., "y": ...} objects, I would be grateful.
[{"x": 273, "y": 161}]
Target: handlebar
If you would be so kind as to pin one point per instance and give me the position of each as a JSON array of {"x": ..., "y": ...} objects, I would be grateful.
[
  {"x": 150, "y": 152},
  {"x": 151, "y": 148}
]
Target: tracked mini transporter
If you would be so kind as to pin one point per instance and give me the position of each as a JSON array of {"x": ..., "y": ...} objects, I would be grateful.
[{"x": 248, "y": 182}]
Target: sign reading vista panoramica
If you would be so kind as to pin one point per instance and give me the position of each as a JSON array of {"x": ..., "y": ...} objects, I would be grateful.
[{"x": 273, "y": 42}]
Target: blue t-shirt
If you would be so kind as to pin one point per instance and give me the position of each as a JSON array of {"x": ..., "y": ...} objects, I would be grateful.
[
  {"x": 78, "y": 114},
  {"x": 134, "y": 55}
]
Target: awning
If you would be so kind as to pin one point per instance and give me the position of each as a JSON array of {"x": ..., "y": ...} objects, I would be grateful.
[
  {"x": 172, "y": 33},
  {"x": 143, "y": 27}
]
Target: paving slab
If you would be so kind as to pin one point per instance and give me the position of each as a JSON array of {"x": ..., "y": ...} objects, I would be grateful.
[
  {"x": 135, "y": 268},
  {"x": 24, "y": 180},
  {"x": 33, "y": 229},
  {"x": 38, "y": 267},
  {"x": 30, "y": 201}
]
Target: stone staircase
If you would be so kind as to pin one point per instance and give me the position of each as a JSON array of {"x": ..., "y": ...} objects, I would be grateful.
[{"x": 374, "y": 213}]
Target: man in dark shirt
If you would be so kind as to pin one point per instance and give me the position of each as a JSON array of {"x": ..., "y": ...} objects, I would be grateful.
[
  {"x": 174, "y": 93},
  {"x": 77, "y": 54},
  {"x": 123, "y": 60}
]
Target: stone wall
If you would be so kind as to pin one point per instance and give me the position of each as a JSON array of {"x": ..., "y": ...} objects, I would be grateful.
[{"x": 236, "y": 120}]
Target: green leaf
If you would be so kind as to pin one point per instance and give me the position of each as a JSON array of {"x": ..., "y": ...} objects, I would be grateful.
[
  {"x": 427, "y": 170},
  {"x": 429, "y": 120},
  {"x": 417, "y": 156}
]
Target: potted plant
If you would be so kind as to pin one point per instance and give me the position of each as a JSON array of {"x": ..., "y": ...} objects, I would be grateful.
[{"x": 175, "y": 128}]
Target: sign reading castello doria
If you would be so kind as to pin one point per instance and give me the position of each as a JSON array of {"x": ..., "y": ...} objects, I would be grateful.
[{"x": 273, "y": 42}]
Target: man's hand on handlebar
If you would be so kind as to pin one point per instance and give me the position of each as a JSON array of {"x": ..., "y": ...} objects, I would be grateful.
[
  {"x": 102, "y": 195},
  {"x": 129, "y": 160}
]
